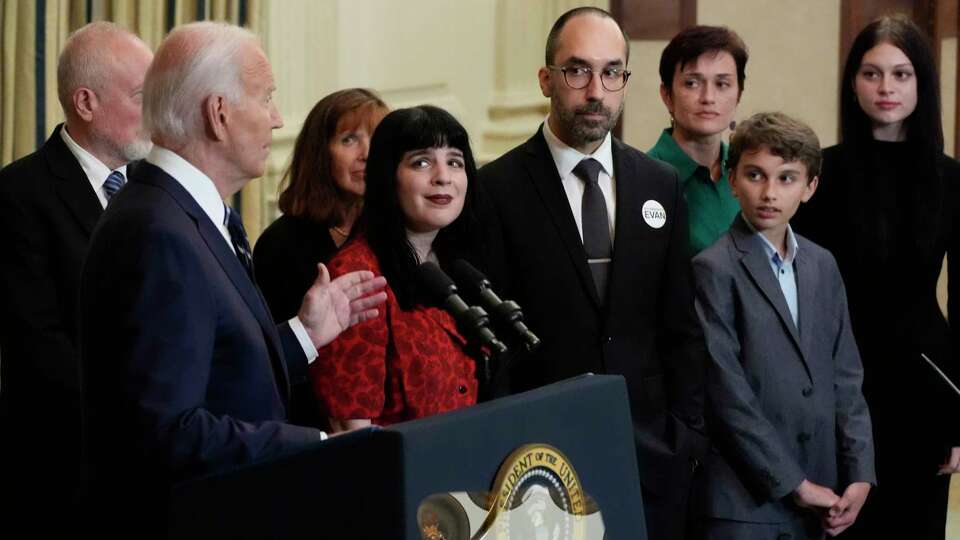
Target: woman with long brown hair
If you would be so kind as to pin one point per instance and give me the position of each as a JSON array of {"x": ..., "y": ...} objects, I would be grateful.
[{"x": 320, "y": 196}]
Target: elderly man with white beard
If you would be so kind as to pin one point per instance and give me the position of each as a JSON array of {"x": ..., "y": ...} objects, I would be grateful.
[{"x": 50, "y": 202}]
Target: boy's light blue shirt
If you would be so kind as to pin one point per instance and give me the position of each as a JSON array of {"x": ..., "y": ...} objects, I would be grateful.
[{"x": 783, "y": 268}]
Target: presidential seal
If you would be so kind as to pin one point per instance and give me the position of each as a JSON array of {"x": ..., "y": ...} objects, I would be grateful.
[{"x": 537, "y": 495}]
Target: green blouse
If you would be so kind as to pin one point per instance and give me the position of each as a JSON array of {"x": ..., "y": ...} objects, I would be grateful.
[{"x": 711, "y": 205}]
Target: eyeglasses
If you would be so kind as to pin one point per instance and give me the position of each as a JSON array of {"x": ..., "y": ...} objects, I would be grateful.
[{"x": 579, "y": 77}]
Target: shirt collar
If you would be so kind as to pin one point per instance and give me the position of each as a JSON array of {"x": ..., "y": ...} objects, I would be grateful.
[
  {"x": 566, "y": 158},
  {"x": 197, "y": 184},
  {"x": 772, "y": 253},
  {"x": 95, "y": 170},
  {"x": 668, "y": 150}
]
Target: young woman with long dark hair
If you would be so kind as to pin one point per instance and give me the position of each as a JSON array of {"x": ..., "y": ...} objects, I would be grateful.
[{"x": 887, "y": 209}]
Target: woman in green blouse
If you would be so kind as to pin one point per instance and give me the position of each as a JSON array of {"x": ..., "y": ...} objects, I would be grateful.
[{"x": 702, "y": 71}]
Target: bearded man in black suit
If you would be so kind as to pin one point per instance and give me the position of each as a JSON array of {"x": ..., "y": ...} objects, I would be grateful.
[{"x": 589, "y": 236}]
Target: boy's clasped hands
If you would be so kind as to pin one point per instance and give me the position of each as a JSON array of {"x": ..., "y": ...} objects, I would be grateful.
[{"x": 836, "y": 512}]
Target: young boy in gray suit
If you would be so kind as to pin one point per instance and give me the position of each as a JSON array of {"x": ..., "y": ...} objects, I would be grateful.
[{"x": 793, "y": 455}]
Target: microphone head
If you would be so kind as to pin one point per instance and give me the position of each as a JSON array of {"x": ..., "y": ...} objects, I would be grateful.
[
  {"x": 468, "y": 275},
  {"x": 437, "y": 284}
]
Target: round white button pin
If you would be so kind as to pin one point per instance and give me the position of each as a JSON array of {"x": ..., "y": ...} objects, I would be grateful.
[{"x": 654, "y": 214}]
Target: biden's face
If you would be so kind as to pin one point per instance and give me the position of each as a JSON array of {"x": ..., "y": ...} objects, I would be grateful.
[{"x": 255, "y": 117}]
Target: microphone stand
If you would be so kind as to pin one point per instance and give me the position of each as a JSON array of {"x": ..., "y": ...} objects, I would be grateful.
[
  {"x": 472, "y": 320},
  {"x": 482, "y": 360}
]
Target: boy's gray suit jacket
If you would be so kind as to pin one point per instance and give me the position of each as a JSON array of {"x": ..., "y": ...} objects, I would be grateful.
[{"x": 784, "y": 403}]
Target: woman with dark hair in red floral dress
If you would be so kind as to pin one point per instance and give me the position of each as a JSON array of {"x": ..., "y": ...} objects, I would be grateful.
[{"x": 409, "y": 362}]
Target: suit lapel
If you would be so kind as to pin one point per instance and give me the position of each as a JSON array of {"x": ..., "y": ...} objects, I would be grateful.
[
  {"x": 631, "y": 235},
  {"x": 756, "y": 263},
  {"x": 807, "y": 283},
  {"x": 229, "y": 262},
  {"x": 251, "y": 295},
  {"x": 72, "y": 185},
  {"x": 542, "y": 171}
]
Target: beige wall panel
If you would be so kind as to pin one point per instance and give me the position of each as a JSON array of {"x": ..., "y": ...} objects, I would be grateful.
[
  {"x": 948, "y": 89},
  {"x": 521, "y": 33},
  {"x": 794, "y": 64},
  {"x": 645, "y": 116},
  {"x": 517, "y": 104},
  {"x": 300, "y": 38},
  {"x": 948, "y": 92},
  {"x": 421, "y": 51},
  {"x": 58, "y": 28},
  {"x": 301, "y": 42},
  {"x": 412, "y": 52},
  {"x": 518, "y": 107},
  {"x": 794, "y": 72}
]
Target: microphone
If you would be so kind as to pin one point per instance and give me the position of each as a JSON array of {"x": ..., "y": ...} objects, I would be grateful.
[
  {"x": 505, "y": 311},
  {"x": 472, "y": 319}
]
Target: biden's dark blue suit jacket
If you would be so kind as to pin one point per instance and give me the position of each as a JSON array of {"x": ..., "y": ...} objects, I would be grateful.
[{"x": 184, "y": 371}]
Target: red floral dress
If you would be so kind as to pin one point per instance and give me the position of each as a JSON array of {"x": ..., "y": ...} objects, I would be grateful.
[{"x": 399, "y": 366}]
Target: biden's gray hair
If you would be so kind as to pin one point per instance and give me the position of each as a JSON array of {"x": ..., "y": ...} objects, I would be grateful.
[{"x": 193, "y": 62}]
